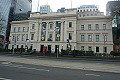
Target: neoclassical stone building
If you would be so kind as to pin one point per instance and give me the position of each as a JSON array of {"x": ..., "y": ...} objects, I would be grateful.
[{"x": 53, "y": 29}]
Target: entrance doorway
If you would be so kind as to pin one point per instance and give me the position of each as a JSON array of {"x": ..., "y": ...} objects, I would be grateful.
[
  {"x": 42, "y": 46},
  {"x": 49, "y": 48}
]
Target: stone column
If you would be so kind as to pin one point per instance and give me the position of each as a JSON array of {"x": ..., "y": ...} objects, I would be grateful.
[
  {"x": 40, "y": 26},
  {"x": 62, "y": 31},
  {"x": 54, "y": 25},
  {"x": 47, "y": 31}
]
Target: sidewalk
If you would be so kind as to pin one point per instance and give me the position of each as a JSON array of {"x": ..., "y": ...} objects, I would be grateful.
[{"x": 65, "y": 64}]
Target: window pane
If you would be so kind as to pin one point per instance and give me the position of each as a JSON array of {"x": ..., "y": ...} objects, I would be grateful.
[
  {"x": 97, "y": 26},
  {"x": 82, "y": 38},
  {"x": 82, "y": 27},
  {"x": 50, "y": 26},
  {"x": 33, "y": 26},
  {"x": 70, "y": 36},
  {"x": 104, "y": 26},
  {"x": 32, "y": 36},
  {"x": 97, "y": 38},
  {"x": 89, "y": 48},
  {"x": 82, "y": 48},
  {"x": 97, "y": 49},
  {"x": 89, "y": 38},
  {"x": 89, "y": 26},
  {"x": 70, "y": 24},
  {"x": 23, "y": 29},
  {"x": 18, "y": 29}
]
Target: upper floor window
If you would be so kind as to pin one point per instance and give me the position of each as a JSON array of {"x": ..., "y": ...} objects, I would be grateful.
[
  {"x": 18, "y": 29},
  {"x": 14, "y": 30},
  {"x": 23, "y": 29},
  {"x": 50, "y": 26},
  {"x": 82, "y": 37},
  {"x": 89, "y": 26},
  {"x": 96, "y": 26},
  {"x": 28, "y": 29},
  {"x": 32, "y": 36},
  {"x": 82, "y": 27},
  {"x": 105, "y": 37},
  {"x": 70, "y": 24},
  {"x": 104, "y": 26},
  {"x": 97, "y": 38},
  {"x": 70, "y": 36},
  {"x": 89, "y": 38},
  {"x": 26, "y": 36},
  {"x": 33, "y": 26},
  {"x": 18, "y": 37},
  {"x": 22, "y": 38}
]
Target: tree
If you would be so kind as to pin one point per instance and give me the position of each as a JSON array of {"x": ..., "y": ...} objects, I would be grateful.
[
  {"x": 2, "y": 24},
  {"x": 118, "y": 41}
]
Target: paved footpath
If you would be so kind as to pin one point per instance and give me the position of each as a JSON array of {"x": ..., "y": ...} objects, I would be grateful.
[{"x": 65, "y": 64}]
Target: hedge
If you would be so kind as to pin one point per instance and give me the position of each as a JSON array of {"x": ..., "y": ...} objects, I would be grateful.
[{"x": 115, "y": 53}]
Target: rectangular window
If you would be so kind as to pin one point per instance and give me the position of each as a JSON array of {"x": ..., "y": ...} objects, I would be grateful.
[
  {"x": 33, "y": 26},
  {"x": 13, "y": 38},
  {"x": 70, "y": 24},
  {"x": 89, "y": 26},
  {"x": 82, "y": 48},
  {"x": 28, "y": 29},
  {"x": 50, "y": 37},
  {"x": 26, "y": 36},
  {"x": 51, "y": 26},
  {"x": 22, "y": 39},
  {"x": 32, "y": 36},
  {"x": 89, "y": 38},
  {"x": 14, "y": 29},
  {"x": 105, "y": 49},
  {"x": 97, "y": 49},
  {"x": 18, "y": 37},
  {"x": 23, "y": 29},
  {"x": 89, "y": 48},
  {"x": 104, "y": 26},
  {"x": 97, "y": 38},
  {"x": 70, "y": 36},
  {"x": 82, "y": 37},
  {"x": 18, "y": 29},
  {"x": 82, "y": 27},
  {"x": 96, "y": 26},
  {"x": 105, "y": 37}
]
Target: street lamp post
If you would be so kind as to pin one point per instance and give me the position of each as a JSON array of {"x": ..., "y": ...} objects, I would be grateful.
[
  {"x": 26, "y": 44},
  {"x": 57, "y": 52},
  {"x": 74, "y": 47}
]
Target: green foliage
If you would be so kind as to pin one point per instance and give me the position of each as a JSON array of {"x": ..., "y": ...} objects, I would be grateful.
[
  {"x": 115, "y": 53},
  {"x": 77, "y": 52},
  {"x": 81, "y": 53},
  {"x": 89, "y": 53},
  {"x": 66, "y": 52}
]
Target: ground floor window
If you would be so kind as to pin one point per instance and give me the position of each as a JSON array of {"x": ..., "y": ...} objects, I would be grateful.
[
  {"x": 89, "y": 48},
  {"x": 97, "y": 49},
  {"x": 105, "y": 49},
  {"x": 82, "y": 48}
]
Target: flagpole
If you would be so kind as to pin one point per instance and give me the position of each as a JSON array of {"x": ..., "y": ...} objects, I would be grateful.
[
  {"x": 71, "y": 4},
  {"x": 38, "y": 6}
]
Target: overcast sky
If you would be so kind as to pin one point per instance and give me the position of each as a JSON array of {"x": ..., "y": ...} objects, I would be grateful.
[{"x": 57, "y": 4}]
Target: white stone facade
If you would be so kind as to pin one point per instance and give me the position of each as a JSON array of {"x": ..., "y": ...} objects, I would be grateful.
[{"x": 53, "y": 30}]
